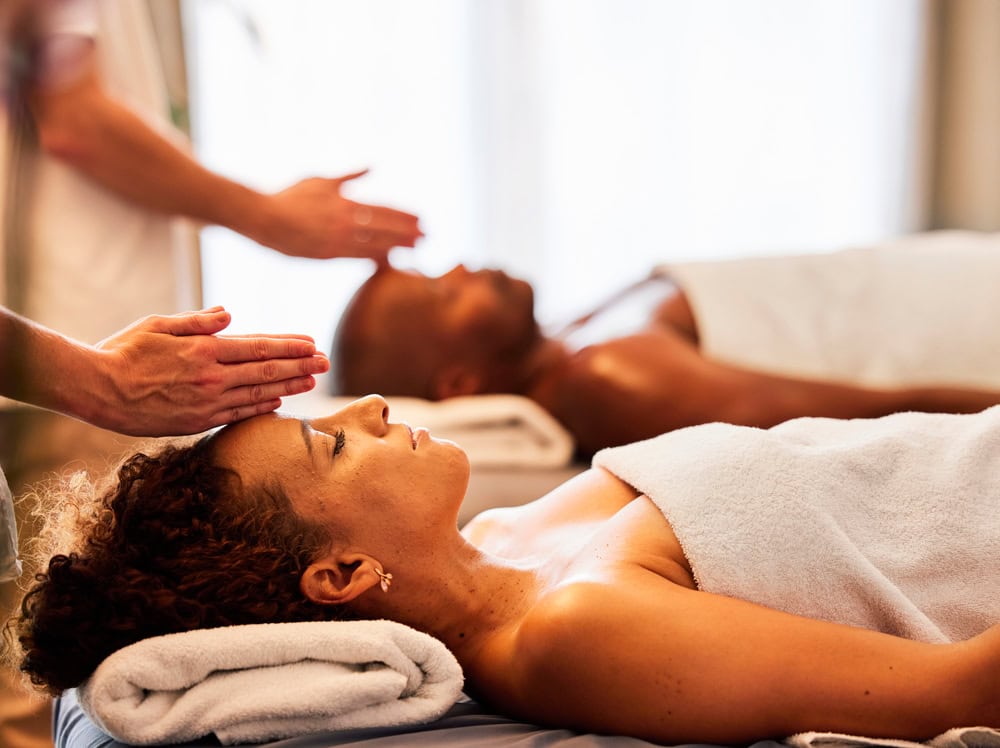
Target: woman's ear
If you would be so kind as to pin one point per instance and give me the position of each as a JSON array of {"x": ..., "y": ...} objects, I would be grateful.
[{"x": 339, "y": 578}]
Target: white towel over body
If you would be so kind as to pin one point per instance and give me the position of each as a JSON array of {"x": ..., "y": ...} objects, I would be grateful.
[
  {"x": 919, "y": 310},
  {"x": 891, "y": 524},
  {"x": 265, "y": 681}
]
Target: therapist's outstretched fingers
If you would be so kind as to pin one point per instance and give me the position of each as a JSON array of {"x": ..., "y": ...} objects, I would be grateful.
[
  {"x": 311, "y": 218},
  {"x": 242, "y": 412},
  {"x": 250, "y": 400},
  {"x": 204, "y": 322},
  {"x": 282, "y": 335},
  {"x": 274, "y": 371},
  {"x": 237, "y": 349},
  {"x": 339, "y": 181},
  {"x": 158, "y": 377},
  {"x": 377, "y": 229},
  {"x": 395, "y": 226},
  {"x": 372, "y": 251}
]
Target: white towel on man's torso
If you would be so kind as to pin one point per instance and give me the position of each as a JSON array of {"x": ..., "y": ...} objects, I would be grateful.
[
  {"x": 919, "y": 310},
  {"x": 891, "y": 524}
]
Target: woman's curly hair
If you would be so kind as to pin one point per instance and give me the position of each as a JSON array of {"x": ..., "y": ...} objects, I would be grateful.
[{"x": 175, "y": 544}]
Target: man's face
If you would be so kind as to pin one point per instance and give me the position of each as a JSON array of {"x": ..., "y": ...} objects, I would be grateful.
[{"x": 485, "y": 311}]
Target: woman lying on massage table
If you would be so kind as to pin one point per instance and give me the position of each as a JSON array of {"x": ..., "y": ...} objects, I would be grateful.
[{"x": 586, "y": 608}]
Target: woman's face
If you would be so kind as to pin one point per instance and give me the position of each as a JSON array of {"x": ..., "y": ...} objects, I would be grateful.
[{"x": 353, "y": 470}]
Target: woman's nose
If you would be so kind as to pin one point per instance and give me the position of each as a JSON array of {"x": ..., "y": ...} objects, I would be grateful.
[
  {"x": 373, "y": 411},
  {"x": 370, "y": 413}
]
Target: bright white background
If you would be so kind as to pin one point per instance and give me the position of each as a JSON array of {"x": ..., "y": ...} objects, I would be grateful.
[{"x": 573, "y": 142}]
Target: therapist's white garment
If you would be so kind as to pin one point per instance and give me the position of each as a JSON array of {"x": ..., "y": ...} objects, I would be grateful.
[
  {"x": 96, "y": 262},
  {"x": 10, "y": 566}
]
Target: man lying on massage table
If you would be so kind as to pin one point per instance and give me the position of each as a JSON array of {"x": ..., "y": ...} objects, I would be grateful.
[
  {"x": 905, "y": 326},
  {"x": 714, "y": 584}
]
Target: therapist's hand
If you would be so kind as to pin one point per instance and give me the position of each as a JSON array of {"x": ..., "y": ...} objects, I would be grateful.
[
  {"x": 172, "y": 375},
  {"x": 312, "y": 219}
]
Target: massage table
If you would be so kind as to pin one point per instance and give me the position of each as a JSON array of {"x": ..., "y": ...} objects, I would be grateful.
[{"x": 467, "y": 724}]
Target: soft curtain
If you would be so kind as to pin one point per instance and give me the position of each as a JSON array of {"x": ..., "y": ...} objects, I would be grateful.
[{"x": 965, "y": 76}]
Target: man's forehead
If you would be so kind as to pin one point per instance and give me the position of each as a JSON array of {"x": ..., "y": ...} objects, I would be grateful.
[
  {"x": 402, "y": 290},
  {"x": 392, "y": 277}
]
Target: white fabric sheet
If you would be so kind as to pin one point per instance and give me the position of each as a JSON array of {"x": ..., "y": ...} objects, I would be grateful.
[
  {"x": 921, "y": 309},
  {"x": 888, "y": 523}
]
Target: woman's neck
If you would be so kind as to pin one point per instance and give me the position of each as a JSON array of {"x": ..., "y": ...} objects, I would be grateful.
[{"x": 462, "y": 597}]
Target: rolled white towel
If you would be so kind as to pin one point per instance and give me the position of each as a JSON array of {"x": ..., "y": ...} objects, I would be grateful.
[{"x": 268, "y": 681}]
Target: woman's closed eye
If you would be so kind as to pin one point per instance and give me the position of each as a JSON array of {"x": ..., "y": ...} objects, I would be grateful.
[{"x": 338, "y": 442}]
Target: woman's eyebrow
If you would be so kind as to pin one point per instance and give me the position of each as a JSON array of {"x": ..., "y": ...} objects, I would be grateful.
[{"x": 304, "y": 430}]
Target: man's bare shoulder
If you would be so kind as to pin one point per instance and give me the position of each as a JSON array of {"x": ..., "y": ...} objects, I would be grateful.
[
  {"x": 621, "y": 363},
  {"x": 625, "y": 389},
  {"x": 650, "y": 348}
]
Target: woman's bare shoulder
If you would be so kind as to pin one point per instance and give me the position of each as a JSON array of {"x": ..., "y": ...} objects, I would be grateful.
[
  {"x": 517, "y": 669},
  {"x": 490, "y": 527},
  {"x": 592, "y": 603},
  {"x": 568, "y": 648},
  {"x": 587, "y": 499}
]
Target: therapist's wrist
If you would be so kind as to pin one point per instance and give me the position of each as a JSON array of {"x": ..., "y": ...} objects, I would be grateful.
[
  {"x": 89, "y": 390},
  {"x": 65, "y": 376},
  {"x": 254, "y": 215}
]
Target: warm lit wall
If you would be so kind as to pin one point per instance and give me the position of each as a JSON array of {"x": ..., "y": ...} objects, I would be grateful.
[{"x": 573, "y": 142}]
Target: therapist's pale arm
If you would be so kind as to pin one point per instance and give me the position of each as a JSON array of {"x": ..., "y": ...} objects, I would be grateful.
[
  {"x": 161, "y": 376},
  {"x": 80, "y": 124}
]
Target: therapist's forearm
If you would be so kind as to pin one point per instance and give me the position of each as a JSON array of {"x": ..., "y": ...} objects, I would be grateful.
[
  {"x": 42, "y": 367},
  {"x": 112, "y": 146}
]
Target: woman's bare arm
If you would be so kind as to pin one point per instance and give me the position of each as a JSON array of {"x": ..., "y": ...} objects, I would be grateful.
[{"x": 639, "y": 656}]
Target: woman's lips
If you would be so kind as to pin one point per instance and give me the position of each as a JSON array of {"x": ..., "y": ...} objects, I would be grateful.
[{"x": 418, "y": 435}]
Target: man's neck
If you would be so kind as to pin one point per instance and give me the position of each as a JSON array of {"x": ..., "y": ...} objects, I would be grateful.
[{"x": 540, "y": 364}]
